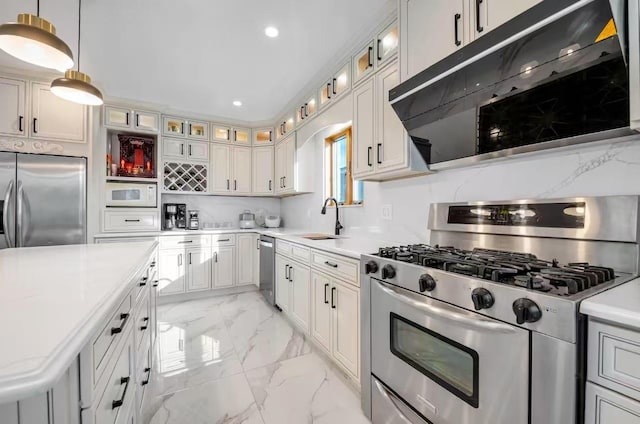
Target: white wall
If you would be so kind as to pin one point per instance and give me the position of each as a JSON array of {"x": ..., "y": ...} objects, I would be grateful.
[
  {"x": 583, "y": 171},
  {"x": 222, "y": 209}
]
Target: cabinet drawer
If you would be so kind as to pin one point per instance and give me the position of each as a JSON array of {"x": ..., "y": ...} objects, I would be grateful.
[
  {"x": 143, "y": 376},
  {"x": 603, "y": 406},
  {"x": 294, "y": 251},
  {"x": 142, "y": 324},
  {"x": 614, "y": 358},
  {"x": 119, "y": 391},
  {"x": 173, "y": 242},
  {"x": 125, "y": 221},
  {"x": 223, "y": 239},
  {"x": 338, "y": 266},
  {"x": 100, "y": 350}
]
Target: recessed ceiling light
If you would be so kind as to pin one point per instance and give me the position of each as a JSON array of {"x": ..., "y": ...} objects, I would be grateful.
[
  {"x": 237, "y": 103},
  {"x": 271, "y": 31}
]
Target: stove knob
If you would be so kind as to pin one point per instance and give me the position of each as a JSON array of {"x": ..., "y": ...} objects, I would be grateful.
[
  {"x": 427, "y": 283},
  {"x": 526, "y": 310},
  {"x": 482, "y": 299},
  {"x": 370, "y": 267},
  {"x": 388, "y": 272}
]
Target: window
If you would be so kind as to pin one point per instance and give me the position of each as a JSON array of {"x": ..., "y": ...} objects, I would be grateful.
[{"x": 339, "y": 179}]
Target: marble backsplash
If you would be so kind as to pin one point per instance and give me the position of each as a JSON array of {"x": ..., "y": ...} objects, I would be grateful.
[
  {"x": 587, "y": 170},
  {"x": 221, "y": 209}
]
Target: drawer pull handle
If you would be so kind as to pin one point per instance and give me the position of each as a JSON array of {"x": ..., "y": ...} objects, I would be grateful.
[
  {"x": 155, "y": 283},
  {"x": 224, "y": 240},
  {"x": 185, "y": 241},
  {"x": 148, "y": 371},
  {"x": 131, "y": 220},
  {"x": 118, "y": 403},
  {"x": 143, "y": 282},
  {"x": 332, "y": 265},
  {"x": 144, "y": 327},
  {"x": 123, "y": 319},
  {"x": 153, "y": 264}
]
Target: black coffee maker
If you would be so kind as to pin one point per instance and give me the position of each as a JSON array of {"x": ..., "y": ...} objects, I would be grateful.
[{"x": 175, "y": 216}]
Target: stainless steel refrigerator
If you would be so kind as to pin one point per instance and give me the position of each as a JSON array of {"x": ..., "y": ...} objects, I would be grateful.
[{"x": 43, "y": 200}]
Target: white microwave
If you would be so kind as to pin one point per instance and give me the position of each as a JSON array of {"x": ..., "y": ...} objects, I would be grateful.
[{"x": 132, "y": 195}]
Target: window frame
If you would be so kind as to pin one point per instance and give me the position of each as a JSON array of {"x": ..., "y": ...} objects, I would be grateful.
[{"x": 329, "y": 144}]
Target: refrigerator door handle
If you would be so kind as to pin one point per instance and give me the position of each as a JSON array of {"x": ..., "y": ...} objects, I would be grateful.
[
  {"x": 5, "y": 213},
  {"x": 19, "y": 208}
]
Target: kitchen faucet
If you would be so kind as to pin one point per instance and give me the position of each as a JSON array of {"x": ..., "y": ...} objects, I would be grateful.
[{"x": 324, "y": 212}]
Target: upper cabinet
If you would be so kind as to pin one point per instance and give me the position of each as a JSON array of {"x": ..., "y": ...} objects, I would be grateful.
[
  {"x": 387, "y": 43},
  {"x": 458, "y": 22},
  {"x": 242, "y": 136},
  {"x": 285, "y": 126},
  {"x": 181, "y": 127},
  {"x": 53, "y": 118},
  {"x": 376, "y": 53},
  {"x": 121, "y": 117},
  {"x": 220, "y": 133},
  {"x": 263, "y": 136},
  {"x": 262, "y": 183},
  {"x": 230, "y": 170},
  {"x": 306, "y": 110},
  {"x": 490, "y": 14},
  {"x": 12, "y": 107},
  {"x": 363, "y": 63},
  {"x": 337, "y": 85}
]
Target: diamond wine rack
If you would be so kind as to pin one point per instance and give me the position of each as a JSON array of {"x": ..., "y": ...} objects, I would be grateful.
[{"x": 183, "y": 177}]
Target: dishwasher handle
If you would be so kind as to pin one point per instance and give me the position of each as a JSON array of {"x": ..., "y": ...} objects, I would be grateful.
[{"x": 266, "y": 243}]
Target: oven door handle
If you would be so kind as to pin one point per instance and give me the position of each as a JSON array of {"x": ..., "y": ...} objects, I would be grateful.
[
  {"x": 394, "y": 401},
  {"x": 477, "y": 322}
]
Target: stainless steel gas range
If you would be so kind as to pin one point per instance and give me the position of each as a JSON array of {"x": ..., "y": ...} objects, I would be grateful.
[{"x": 482, "y": 326}]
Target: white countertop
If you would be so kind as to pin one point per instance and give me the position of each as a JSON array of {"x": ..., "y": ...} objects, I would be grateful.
[
  {"x": 352, "y": 247},
  {"x": 620, "y": 305},
  {"x": 52, "y": 299}
]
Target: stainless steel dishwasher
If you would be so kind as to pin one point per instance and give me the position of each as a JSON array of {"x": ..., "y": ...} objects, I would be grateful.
[{"x": 267, "y": 268}]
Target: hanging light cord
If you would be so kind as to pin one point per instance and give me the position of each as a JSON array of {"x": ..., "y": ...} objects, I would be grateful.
[{"x": 79, "y": 27}]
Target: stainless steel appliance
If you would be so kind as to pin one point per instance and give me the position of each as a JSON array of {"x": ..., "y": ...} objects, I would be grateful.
[
  {"x": 247, "y": 220},
  {"x": 43, "y": 200},
  {"x": 175, "y": 216},
  {"x": 194, "y": 221},
  {"x": 268, "y": 268},
  {"x": 482, "y": 326},
  {"x": 131, "y": 195},
  {"x": 562, "y": 73}
]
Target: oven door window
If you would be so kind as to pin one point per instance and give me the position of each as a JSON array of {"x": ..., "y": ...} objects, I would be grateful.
[
  {"x": 132, "y": 194},
  {"x": 446, "y": 362}
]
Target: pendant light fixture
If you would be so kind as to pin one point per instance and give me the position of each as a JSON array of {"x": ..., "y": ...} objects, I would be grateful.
[
  {"x": 34, "y": 40},
  {"x": 76, "y": 86}
]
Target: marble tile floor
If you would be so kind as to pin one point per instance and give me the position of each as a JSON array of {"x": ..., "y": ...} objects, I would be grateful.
[{"x": 236, "y": 360}]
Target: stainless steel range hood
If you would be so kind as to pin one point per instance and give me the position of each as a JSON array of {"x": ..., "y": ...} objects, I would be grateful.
[{"x": 553, "y": 76}]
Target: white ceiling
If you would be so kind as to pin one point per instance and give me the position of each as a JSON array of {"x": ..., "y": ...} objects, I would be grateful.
[{"x": 199, "y": 55}]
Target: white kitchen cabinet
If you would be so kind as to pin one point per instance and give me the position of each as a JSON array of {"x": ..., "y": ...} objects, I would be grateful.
[
  {"x": 173, "y": 127},
  {"x": 364, "y": 128},
  {"x": 198, "y": 268},
  {"x": 171, "y": 271},
  {"x": 363, "y": 63},
  {"x": 176, "y": 148},
  {"x": 391, "y": 150},
  {"x": 263, "y": 165},
  {"x": 285, "y": 164},
  {"x": 263, "y": 136},
  {"x": 421, "y": 46},
  {"x": 198, "y": 150},
  {"x": 487, "y": 15},
  {"x": 198, "y": 130},
  {"x": 307, "y": 110},
  {"x": 223, "y": 266},
  {"x": 220, "y": 169},
  {"x": 12, "y": 107},
  {"x": 321, "y": 310},
  {"x": 345, "y": 321},
  {"x": 285, "y": 126},
  {"x": 387, "y": 43},
  {"x": 241, "y": 169},
  {"x": 282, "y": 282},
  {"x": 604, "y": 406},
  {"x": 242, "y": 136},
  {"x": 220, "y": 133},
  {"x": 246, "y": 253},
  {"x": 122, "y": 117},
  {"x": 380, "y": 143},
  {"x": 337, "y": 85},
  {"x": 230, "y": 169},
  {"x": 300, "y": 295},
  {"x": 53, "y": 118},
  {"x": 173, "y": 148}
]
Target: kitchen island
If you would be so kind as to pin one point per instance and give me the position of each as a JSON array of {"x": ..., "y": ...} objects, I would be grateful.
[{"x": 67, "y": 314}]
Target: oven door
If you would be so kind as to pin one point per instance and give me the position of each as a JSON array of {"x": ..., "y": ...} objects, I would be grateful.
[
  {"x": 450, "y": 365},
  {"x": 131, "y": 195}
]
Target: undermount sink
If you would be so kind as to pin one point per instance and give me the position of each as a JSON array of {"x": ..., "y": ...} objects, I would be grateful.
[{"x": 318, "y": 236}]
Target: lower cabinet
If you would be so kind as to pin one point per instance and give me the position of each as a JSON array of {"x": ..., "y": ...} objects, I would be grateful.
[
  {"x": 335, "y": 324},
  {"x": 604, "y": 406},
  {"x": 172, "y": 271},
  {"x": 248, "y": 259},
  {"x": 282, "y": 282},
  {"x": 293, "y": 294},
  {"x": 224, "y": 269},
  {"x": 198, "y": 268}
]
